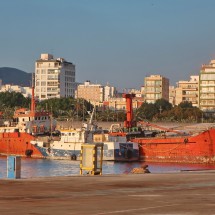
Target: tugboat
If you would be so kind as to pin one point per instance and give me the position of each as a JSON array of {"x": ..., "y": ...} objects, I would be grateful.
[{"x": 68, "y": 144}]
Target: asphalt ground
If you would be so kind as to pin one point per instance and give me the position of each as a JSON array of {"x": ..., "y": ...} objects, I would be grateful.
[{"x": 183, "y": 193}]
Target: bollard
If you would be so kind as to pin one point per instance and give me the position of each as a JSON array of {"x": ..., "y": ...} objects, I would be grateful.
[{"x": 13, "y": 167}]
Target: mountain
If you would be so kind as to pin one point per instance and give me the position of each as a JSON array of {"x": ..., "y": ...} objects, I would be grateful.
[{"x": 14, "y": 76}]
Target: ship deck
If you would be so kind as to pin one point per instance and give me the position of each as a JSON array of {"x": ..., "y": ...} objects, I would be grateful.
[{"x": 190, "y": 192}]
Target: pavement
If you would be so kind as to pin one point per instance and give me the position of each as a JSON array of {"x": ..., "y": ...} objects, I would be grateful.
[{"x": 183, "y": 193}]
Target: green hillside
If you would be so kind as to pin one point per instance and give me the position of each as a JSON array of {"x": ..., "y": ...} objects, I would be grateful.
[{"x": 15, "y": 76}]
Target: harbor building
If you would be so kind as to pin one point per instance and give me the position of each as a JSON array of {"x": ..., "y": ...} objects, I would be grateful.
[
  {"x": 156, "y": 87},
  {"x": 95, "y": 93},
  {"x": 207, "y": 87},
  {"x": 54, "y": 78},
  {"x": 188, "y": 91}
]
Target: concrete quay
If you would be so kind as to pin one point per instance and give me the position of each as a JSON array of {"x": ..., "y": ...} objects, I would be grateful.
[{"x": 184, "y": 193}]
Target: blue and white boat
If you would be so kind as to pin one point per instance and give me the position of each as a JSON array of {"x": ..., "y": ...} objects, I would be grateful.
[{"x": 68, "y": 144}]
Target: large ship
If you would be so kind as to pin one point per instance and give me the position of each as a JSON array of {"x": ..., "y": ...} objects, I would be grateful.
[
  {"x": 27, "y": 125},
  {"x": 160, "y": 145}
]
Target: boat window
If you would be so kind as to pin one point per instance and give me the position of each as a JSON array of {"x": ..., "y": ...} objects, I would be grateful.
[
  {"x": 35, "y": 118},
  {"x": 23, "y": 119},
  {"x": 69, "y": 134},
  {"x": 62, "y": 134},
  {"x": 73, "y": 134},
  {"x": 38, "y": 118}
]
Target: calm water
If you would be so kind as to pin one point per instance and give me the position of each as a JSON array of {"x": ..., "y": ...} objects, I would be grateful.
[{"x": 44, "y": 168}]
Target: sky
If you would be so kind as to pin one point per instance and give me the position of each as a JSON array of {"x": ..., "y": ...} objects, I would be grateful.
[{"x": 119, "y": 42}]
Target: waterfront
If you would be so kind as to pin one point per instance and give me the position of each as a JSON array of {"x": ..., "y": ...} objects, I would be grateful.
[{"x": 32, "y": 168}]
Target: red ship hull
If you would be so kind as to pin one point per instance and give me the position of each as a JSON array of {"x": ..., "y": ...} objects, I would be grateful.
[
  {"x": 181, "y": 149},
  {"x": 16, "y": 143}
]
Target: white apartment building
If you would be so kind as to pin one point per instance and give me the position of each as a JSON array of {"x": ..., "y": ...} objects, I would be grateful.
[
  {"x": 109, "y": 92},
  {"x": 26, "y": 91},
  {"x": 138, "y": 93},
  {"x": 54, "y": 78},
  {"x": 207, "y": 87}
]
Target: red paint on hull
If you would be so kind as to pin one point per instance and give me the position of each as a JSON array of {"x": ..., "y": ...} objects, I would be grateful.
[
  {"x": 16, "y": 143},
  {"x": 183, "y": 149}
]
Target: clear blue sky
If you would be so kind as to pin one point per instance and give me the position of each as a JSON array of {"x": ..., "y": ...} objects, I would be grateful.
[{"x": 115, "y": 41}]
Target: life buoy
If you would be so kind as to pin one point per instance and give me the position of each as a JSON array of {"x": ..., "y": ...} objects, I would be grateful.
[{"x": 74, "y": 157}]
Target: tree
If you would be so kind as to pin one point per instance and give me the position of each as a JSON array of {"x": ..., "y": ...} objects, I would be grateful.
[
  {"x": 14, "y": 99},
  {"x": 162, "y": 105},
  {"x": 186, "y": 104},
  {"x": 146, "y": 111}
]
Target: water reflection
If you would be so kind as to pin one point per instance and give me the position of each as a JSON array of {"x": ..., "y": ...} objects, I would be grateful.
[{"x": 32, "y": 168}]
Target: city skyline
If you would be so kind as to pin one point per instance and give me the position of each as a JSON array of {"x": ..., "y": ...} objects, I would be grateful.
[{"x": 119, "y": 42}]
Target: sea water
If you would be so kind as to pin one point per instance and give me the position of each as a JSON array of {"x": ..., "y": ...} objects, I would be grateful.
[{"x": 31, "y": 168}]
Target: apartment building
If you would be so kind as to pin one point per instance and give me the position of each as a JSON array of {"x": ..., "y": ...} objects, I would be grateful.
[
  {"x": 137, "y": 93},
  {"x": 172, "y": 95},
  {"x": 94, "y": 93},
  {"x": 156, "y": 87},
  {"x": 207, "y": 87},
  {"x": 109, "y": 92},
  {"x": 25, "y": 91},
  {"x": 188, "y": 91},
  {"x": 120, "y": 103},
  {"x": 54, "y": 78}
]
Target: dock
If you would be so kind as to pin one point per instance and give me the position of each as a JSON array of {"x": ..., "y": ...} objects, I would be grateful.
[{"x": 189, "y": 192}]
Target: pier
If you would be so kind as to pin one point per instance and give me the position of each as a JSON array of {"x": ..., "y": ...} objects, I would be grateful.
[{"x": 187, "y": 192}]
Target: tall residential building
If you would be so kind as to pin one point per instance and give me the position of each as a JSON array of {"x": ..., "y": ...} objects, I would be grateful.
[
  {"x": 188, "y": 91},
  {"x": 207, "y": 87},
  {"x": 156, "y": 87},
  {"x": 54, "y": 78}
]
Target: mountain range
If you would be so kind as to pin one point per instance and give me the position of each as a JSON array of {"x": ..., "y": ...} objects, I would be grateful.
[{"x": 15, "y": 76}]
